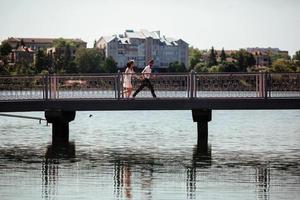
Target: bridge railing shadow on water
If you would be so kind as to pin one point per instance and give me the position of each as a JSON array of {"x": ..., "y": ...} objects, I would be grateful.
[{"x": 166, "y": 85}]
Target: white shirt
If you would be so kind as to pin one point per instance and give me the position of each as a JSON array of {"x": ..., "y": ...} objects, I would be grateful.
[{"x": 147, "y": 72}]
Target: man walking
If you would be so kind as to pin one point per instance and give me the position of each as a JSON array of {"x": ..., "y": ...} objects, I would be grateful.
[{"x": 146, "y": 73}]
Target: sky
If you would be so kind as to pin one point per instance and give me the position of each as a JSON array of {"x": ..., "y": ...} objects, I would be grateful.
[{"x": 232, "y": 24}]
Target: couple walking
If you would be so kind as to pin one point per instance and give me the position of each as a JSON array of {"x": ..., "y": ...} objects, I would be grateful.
[{"x": 146, "y": 73}]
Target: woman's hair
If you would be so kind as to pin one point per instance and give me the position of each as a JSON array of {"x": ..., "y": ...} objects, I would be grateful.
[{"x": 129, "y": 63}]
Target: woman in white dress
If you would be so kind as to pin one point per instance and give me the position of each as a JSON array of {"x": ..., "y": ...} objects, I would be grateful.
[{"x": 127, "y": 78}]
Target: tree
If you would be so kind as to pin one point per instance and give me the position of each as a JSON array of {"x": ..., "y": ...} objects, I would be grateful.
[
  {"x": 176, "y": 67},
  {"x": 61, "y": 42},
  {"x": 276, "y": 56},
  {"x": 109, "y": 65},
  {"x": 212, "y": 59},
  {"x": 42, "y": 61},
  {"x": 194, "y": 57},
  {"x": 95, "y": 43},
  {"x": 89, "y": 60},
  {"x": 223, "y": 55},
  {"x": 245, "y": 60},
  {"x": 5, "y": 48},
  {"x": 297, "y": 56},
  {"x": 282, "y": 65},
  {"x": 22, "y": 43},
  {"x": 228, "y": 67},
  {"x": 201, "y": 67}
]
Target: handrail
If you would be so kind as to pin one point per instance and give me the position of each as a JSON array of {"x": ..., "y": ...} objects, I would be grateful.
[
  {"x": 156, "y": 73},
  {"x": 24, "y": 117},
  {"x": 194, "y": 85}
]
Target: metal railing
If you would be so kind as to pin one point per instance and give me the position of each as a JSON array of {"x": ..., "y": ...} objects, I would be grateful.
[{"x": 166, "y": 85}]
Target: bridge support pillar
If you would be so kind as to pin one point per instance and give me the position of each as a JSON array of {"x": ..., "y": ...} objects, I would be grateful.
[
  {"x": 202, "y": 117},
  {"x": 60, "y": 125}
]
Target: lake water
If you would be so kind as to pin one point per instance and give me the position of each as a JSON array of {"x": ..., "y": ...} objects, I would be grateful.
[{"x": 153, "y": 155}]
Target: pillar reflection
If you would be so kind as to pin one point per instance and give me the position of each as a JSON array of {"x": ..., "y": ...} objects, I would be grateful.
[
  {"x": 201, "y": 159},
  {"x": 49, "y": 179},
  {"x": 50, "y": 168},
  {"x": 262, "y": 182}
]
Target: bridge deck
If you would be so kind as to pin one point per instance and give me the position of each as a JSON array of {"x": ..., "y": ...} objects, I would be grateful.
[{"x": 151, "y": 104}]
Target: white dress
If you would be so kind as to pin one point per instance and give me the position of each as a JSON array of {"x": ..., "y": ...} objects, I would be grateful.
[{"x": 127, "y": 78}]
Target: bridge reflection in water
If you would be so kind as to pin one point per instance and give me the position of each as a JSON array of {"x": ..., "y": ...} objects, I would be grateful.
[{"x": 134, "y": 175}]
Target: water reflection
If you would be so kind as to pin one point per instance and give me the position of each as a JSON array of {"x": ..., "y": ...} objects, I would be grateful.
[
  {"x": 49, "y": 179},
  {"x": 61, "y": 151},
  {"x": 137, "y": 172},
  {"x": 201, "y": 159},
  {"x": 262, "y": 182},
  {"x": 122, "y": 181},
  {"x": 50, "y": 167},
  {"x": 123, "y": 177}
]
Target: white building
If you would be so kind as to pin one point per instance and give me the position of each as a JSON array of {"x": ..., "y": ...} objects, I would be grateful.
[{"x": 142, "y": 46}]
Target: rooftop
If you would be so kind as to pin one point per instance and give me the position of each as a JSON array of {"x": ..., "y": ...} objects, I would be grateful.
[
  {"x": 142, "y": 34},
  {"x": 41, "y": 40}
]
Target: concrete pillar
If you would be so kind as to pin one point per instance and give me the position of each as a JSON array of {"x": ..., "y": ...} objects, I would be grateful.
[
  {"x": 60, "y": 125},
  {"x": 202, "y": 117}
]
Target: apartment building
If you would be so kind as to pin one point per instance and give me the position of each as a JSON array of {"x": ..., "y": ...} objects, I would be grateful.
[{"x": 142, "y": 46}]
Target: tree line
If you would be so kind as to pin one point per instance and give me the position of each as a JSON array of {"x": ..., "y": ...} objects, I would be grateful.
[
  {"x": 68, "y": 59},
  {"x": 71, "y": 59},
  {"x": 240, "y": 61}
]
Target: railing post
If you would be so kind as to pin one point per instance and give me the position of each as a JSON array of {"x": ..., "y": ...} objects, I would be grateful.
[
  {"x": 192, "y": 84},
  {"x": 260, "y": 85},
  {"x": 118, "y": 85},
  {"x": 46, "y": 87},
  {"x": 265, "y": 85}
]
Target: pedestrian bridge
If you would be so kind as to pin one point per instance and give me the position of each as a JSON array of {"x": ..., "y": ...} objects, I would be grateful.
[{"x": 61, "y": 95}]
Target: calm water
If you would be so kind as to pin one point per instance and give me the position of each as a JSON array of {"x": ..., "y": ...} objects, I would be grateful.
[{"x": 153, "y": 155}]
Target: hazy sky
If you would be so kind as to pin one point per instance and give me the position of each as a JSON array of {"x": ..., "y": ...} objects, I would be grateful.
[{"x": 231, "y": 24}]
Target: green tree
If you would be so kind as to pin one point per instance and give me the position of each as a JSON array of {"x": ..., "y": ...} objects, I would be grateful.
[
  {"x": 223, "y": 55},
  {"x": 214, "y": 69},
  {"x": 297, "y": 56},
  {"x": 228, "y": 67},
  {"x": 194, "y": 56},
  {"x": 61, "y": 42},
  {"x": 176, "y": 67},
  {"x": 282, "y": 65},
  {"x": 88, "y": 60},
  {"x": 5, "y": 48},
  {"x": 212, "y": 59},
  {"x": 42, "y": 61},
  {"x": 22, "y": 43},
  {"x": 201, "y": 67},
  {"x": 277, "y": 56},
  {"x": 245, "y": 60},
  {"x": 109, "y": 65}
]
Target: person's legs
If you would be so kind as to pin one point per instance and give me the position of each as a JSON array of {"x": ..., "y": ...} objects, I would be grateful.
[
  {"x": 125, "y": 91},
  {"x": 129, "y": 90},
  {"x": 139, "y": 89},
  {"x": 149, "y": 85}
]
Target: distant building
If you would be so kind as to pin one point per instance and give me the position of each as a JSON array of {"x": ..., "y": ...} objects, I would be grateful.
[
  {"x": 142, "y": 46},
  {"x": 22, "y": 54},
  {"x": 39, "y": 43},
  {"x": 267, "y": 50},
  {"x": 24, "y": 49},
  {"x": 262, "y": 55},
  {"x": 59, "y": 52}
]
